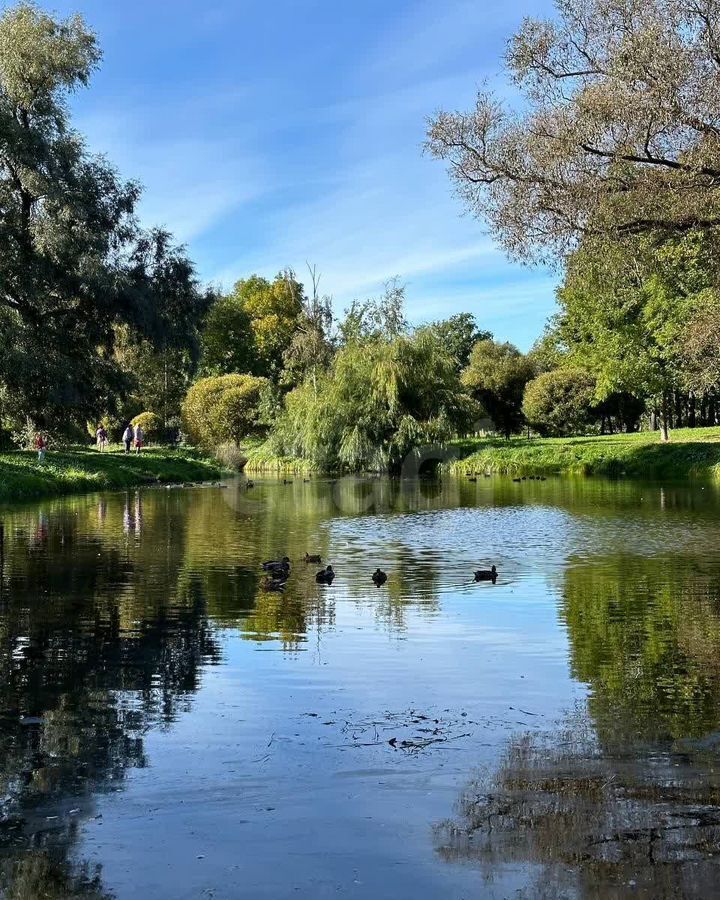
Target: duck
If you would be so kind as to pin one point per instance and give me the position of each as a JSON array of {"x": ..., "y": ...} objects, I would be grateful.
[
  {"x": 277, "y": 565},
  {"x": 472, "y": 478},
  {"x": 249, "y": 484},
  {"x": 325, "y": 576},
  {"x": 274, "y": 584},
  {"x": 287, "y": 480},
  {"x": 518, "y": 480},
  {"x": 379, "y": 577},
  {"x": 313, "y": 558},
  {"x": 486, "y": 574}
]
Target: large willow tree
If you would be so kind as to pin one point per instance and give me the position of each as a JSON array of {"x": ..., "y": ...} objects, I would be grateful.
[
  {"x": 617, "y": 130},
  {"x": 380, "y": 400},
  {"x": 74, "y": 262}
]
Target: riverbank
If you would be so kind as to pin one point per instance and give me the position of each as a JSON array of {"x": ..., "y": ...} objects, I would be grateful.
[
  {"x": 691, "y": 453},
  {"x": 261, "y": 459},
  {"x": 78, "y": 470}
]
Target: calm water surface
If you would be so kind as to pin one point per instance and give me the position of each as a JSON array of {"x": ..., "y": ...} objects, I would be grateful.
[{"x": 169, "y": 730}]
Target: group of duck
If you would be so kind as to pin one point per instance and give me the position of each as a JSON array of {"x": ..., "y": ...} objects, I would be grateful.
[{"x": 278, "y": 572}]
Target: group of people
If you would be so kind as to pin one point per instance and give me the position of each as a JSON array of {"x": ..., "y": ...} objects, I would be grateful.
[{"x": 133, "y": 437}]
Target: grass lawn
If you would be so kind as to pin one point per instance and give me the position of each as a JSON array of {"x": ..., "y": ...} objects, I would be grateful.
[
  {"x": 81, "y": 469},
  {"x": 691, "y": 452}
]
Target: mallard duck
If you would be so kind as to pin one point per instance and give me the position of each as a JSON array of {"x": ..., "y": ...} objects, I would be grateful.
[
  {"x": 379, "y": 577},
  {"x": 486, "y": 574},
  {"x": 249, "y": 484},
  {"x": 277, "y": 565},
  {"x": 287, "y": 480},
  {"x": 313, "y": 558},
  {"x": 325, "y": 576}
]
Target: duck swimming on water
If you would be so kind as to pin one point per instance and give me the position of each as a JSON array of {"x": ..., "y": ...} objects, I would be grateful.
[
  {"x": 325, "y": 576},
  {"x": 277, "y": 565},
  {"x": 379, "y": 577},
  {"x": 486, "y": 575},
  {"x": 313, "y": 558}
]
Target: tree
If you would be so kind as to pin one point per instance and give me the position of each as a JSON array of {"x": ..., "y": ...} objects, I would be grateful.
[
  {"x": 311, "y": 348},
  {"x": 228, "y": 341},
  {"x": 75, "y": 263},
  {"x": 380, "y": 400},
  {"x": 624, "y": 313},
  {"x": 459, "y": 334},
  {"x": 560, "y": 402},
  {"x": 223, "y": 409},
  {"x": 275, "y": 309},
  {"x": 618, "y": 132},
  {"x": 700, "y": 345},
  {"x": 380, "y": 318},
  {"x": 496, "y": 375}
]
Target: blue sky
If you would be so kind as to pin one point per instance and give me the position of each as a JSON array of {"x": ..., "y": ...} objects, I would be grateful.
[{"x": 268, "y": 134}]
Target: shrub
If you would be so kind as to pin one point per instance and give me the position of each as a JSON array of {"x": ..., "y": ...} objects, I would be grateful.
[
  {"x": 560, "y": 402},
  {"x": 231, "y": 456},
  {"x": 150, "y": 422},
  {"x": 223, "y": 409}
]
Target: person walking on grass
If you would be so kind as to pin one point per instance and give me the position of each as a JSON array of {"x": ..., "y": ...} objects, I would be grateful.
[
  {"x": 139, "y": 438},
  {"x": 127, "y": 438},
  {"x": 41, "y": 446},
  {"x": 101, "y": 437}
]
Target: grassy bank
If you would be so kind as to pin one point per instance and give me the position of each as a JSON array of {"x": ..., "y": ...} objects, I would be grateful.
[
  {"x": 691, "y": 453},
  {"x": 70, "y": 471},
  {"x": 261, "y": 459}
]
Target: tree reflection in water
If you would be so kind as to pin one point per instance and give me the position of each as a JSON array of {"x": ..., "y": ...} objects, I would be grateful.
[
  {"x": 624, "y": 799},
  {"x": 91, "y": 656}
]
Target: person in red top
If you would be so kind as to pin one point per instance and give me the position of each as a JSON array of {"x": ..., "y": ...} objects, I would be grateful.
[{"x": 40, "y": 446}]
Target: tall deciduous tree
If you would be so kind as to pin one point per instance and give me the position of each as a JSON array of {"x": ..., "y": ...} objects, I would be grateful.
[
  {"x": 496, "y": 375},
  {"x": 619, "y": 128},
  {"x": 74, "y": 262},
  {"x": 459, "y": 334}
]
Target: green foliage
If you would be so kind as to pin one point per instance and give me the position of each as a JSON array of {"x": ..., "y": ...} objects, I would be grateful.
[
  {"x": 625, "y": 312},
  {"x": 458, "y": 335},
  {"x": 275, "y": 309},
  {"x": 223, "y": 408},
  {"x": 228, "y": 342},
  {"x": 560, "y": 402},
  {"x": 381, "y": 318},
  {"x": 157, "y": 380},
  {"x": 380, "y": 400},
  {"x": 150, "y": 422},
  {"x": 496, "y": 376},
  {"x": 75, "y": 263}
]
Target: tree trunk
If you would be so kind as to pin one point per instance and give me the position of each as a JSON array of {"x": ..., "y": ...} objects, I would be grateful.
[
  {"x": 665, "y": 419},
  {"x": 692, "y": 417}
]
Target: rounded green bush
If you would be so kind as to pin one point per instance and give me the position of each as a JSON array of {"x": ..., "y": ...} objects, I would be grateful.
[
  {"x": 150, "y": 422},
  {"x": 223, "y": 409},
  {"x": 560, "y": 402}
]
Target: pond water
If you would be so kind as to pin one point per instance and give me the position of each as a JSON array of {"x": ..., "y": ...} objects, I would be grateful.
[{"x": 170, "y": 730}]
